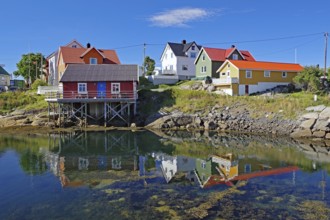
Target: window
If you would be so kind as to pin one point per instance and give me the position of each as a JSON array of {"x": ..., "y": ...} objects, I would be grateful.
[
  {"x": 192, "y": 47},
  {"x": 223, "y": 74},
  {"x": 248, "y": 74},
  {"x": 192, "y": 55},
  {"x": 171, "y": 67},
  {"x": 203, "y": 58},
  {"x": 228, "y": 65},
  {"x": 171, "y": 55},
  {"x": 266, "y": 73},
  {"x": 82, "y": 88},
  {"x": 92, "y": 60},
  {"x": 184, "y": 67},
  {"x": 115, "y": 88},
  {"x": 235, "y": 57},
  {"x": 284, "y": 74},
  {"x": 203, "y": 164},
  {"x": 74, "y": 46},
  {"x": 228, "y": 72},
  {"x": 203, "y": 69}
]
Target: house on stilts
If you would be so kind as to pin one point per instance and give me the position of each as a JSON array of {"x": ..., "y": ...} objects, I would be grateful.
[{"x": 97, "y": 93}]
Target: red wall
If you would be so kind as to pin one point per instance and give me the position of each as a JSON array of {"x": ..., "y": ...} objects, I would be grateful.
[{"x": 70, "y": 89}]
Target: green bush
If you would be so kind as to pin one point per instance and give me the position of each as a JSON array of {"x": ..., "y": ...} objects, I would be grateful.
[{"x": 37, "y": 83}]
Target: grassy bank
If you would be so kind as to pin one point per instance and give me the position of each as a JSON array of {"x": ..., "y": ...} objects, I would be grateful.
[
  {"x": 174, "y": 97},
  {"x": 24, "y": 100},
  {"x": 170, "y": 98}
]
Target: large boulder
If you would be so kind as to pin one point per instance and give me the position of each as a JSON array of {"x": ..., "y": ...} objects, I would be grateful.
[
  {"x": 183, "y": 120},
  {"x": 301, "y": 134},
  {"x": 311, "y": 115},
  {"x": 318, "y": 108},
  {"x": 325, "y": 114},
  {"x": 308, "y": 124},
  {"x": 321, "y": 125}
]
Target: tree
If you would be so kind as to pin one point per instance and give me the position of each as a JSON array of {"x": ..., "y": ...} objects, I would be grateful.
[
  {"x": 309, "y": 79},
  {"x": 149, "y": 65},
  {"x": 30, "y": 67}
]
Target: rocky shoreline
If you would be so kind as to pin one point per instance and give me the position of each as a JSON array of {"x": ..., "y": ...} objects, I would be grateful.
[
  {"x": 314, "y": 125},
  {"x": 234, "y": 118}
]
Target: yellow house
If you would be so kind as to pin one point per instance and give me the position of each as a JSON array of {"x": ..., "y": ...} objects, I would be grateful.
[{"x": 238, "y": 77}]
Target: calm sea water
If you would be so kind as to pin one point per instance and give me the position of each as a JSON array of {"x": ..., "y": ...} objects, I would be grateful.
[{"x": 179, "y": 175}]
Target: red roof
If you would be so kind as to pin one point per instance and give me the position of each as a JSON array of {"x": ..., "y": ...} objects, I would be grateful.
[
  {"x": 74, "y": 55},
  {"x": 217, "y": 54},
  {"x": 290, "y": 67}
]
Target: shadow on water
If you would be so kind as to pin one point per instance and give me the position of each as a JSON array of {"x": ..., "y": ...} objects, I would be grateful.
[{"x": 178, "y": 174}]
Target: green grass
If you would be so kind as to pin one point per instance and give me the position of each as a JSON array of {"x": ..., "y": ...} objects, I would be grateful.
[
  {"x": 189, "y": 101},
  {"x": 25, "y": 100}
]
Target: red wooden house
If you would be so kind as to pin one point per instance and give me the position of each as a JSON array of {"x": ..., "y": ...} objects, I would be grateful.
[{"x": 98, "y": 92}]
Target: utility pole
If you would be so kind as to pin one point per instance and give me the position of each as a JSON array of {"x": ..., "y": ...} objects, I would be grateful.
[
  {"x": 144, "y": 58},
  {"x": 325, "y": 52}
]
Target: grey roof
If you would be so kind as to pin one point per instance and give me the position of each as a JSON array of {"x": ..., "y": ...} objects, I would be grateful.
[
  {"x": 181, "y": 49},
  {"x": 3, "y": 71},
  {"x": 100, "y": 72}
]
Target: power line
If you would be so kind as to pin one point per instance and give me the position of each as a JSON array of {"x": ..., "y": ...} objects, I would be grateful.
[
  {"x": 288, "y": 49},
  {"x": 267, "y": 39}
]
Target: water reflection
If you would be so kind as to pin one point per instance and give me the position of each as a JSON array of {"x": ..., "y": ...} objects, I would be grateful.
[
  {"x": 131, "y": 175},
  {"x": 75, "y": 156}
]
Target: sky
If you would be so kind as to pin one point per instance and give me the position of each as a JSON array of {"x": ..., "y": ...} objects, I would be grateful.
[{"x": 279, "y": 31}]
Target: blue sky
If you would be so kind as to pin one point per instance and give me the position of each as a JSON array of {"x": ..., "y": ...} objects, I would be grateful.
[{"x": 280, "y": 31}]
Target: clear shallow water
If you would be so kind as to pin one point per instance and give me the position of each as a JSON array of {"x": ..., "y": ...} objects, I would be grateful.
[{"x": 140, "y": 175}]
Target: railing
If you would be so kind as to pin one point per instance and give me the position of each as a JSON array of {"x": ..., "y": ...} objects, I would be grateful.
[
  {"x": 222, "y": 81},
  {"x": 91, "y": 95},
  {"x": 47, "y": 89},
  {"x": 168, "y": 72}
]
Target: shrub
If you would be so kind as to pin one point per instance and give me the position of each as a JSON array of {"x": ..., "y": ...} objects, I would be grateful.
[{"x": 38, "y": 82}]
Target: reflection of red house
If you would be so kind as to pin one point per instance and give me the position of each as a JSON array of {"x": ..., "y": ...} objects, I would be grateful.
[{"x": 217, "y": 179}]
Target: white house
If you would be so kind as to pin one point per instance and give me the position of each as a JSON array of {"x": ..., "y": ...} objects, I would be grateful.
[
  {"x": 178, "y": 60},
  {"x": 52, "y": 63}
]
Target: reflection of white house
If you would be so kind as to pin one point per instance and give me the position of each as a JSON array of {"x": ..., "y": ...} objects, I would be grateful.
[
  {"x": 171, "y": 165},
  {"x": 177, "y": 62},
  {"x": 52, "y": 63}
]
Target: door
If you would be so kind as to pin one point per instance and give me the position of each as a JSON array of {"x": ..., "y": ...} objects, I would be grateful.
[
  {"x": 101, "y": 89},
  {"x": 246, "y": 89}
]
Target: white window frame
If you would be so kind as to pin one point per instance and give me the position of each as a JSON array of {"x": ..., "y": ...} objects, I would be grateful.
[
  {"x": 235, "y": 56},
  {"x": 193, "y": 55},
  {"x": 115, "y": 88},
  {"x": 228, "y": 72},
  {"x": 203, "y": 69},
  {"x": 248, "y": 72},
  {"x": 171, "y": 55},
  {"x": 203, "y": 57},
  {"x": 92, "y": 60},
  {"x": 223, "y": 74},
  {"x": 284, "y": 74},
  {"x": 267, "y": 73},
  {"x": 80, "y": 86},
  {"x": 184, "y": 67}
]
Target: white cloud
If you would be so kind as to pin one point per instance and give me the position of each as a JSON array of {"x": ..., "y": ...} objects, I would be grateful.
[{"x": 179, "y": 17}]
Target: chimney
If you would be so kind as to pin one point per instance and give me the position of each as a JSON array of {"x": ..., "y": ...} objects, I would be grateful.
[
  {"x": 88, "y": 45},
  {"x": 233, "y": 46},
  {"x": 184, "y": 41}
]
